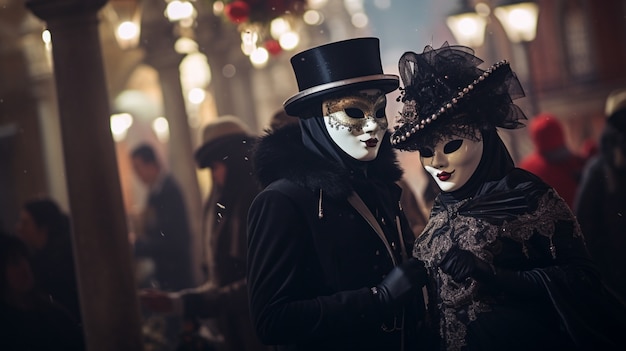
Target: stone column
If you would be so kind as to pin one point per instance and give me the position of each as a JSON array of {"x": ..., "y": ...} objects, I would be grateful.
[
  {"x": 42, "y": 85},
  {"x": 106, "y": 282},
  {"x": 231, "y": 70}
]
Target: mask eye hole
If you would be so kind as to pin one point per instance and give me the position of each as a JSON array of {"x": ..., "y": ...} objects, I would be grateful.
[
  {"x": 426, "y": 152},
  {"x": 380, "y": 113},
  {"x": 354, "y": 112},
  {"x": 452, "y": 146}
]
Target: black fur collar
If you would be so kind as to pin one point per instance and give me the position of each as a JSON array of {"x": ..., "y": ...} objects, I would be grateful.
[{"x": 281, "y": 154}]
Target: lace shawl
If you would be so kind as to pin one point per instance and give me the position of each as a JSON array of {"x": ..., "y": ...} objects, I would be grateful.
[{"x": 465, "y": 225}]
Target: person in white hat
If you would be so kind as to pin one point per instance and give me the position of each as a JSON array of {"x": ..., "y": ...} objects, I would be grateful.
[
  {"x": 600, "y": 204},
  {"x": 328, "y": 265}
]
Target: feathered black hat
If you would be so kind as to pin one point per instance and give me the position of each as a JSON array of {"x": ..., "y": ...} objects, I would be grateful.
[{"x": 446, "y": 94}]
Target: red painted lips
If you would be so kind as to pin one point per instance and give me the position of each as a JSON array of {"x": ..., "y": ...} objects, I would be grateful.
[
  {"x": 371, "y": 142},
  {"x": 443, "y": 176}
]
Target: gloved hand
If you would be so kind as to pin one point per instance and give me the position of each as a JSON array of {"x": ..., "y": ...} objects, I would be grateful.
[
  {"x": 401, "y": 282},
  {"x": 461, "y": 264}
]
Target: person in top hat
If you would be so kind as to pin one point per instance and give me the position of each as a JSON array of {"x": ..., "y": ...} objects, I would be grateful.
[
  {"x": 328, "y": 244},
  {"x": 226, "y": 147},
  {"x": 600, "y": 204},
  {"x": 507, "y": 261}
]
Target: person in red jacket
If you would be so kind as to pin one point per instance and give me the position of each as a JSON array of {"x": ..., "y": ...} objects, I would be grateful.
[{"x": 551, "y": 160}]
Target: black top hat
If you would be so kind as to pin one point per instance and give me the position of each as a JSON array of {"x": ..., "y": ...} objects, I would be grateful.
[
  {"x": 445, "y": 93},
  {"x": 327, "y": 69}
]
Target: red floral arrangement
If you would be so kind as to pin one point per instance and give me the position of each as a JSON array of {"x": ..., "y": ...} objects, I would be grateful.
[{"x": 260, "y": 11}]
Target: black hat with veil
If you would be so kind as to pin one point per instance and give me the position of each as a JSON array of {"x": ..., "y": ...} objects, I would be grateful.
[{"x": 445, "y": 94}]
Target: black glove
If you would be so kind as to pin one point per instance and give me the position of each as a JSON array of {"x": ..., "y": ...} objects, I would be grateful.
[
  {"x": 401, "y": 282},
  {"x": 461, "y": 264}
]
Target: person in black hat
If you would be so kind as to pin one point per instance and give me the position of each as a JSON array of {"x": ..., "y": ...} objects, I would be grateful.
[
  {"x": 226, "y": 147},
  {"x": 328, "y": 244},
  {"x": 508, "y": 265}
]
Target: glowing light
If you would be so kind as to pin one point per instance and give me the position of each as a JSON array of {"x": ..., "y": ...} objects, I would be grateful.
[
  {"x": 119, "y": 124},
  {"x": 195, "y": 71},
  {"x": 259, "y": 57},
  {"x": 360, "y": 20},
  {"x": 249, "y": 39},
  {"x": 127, "y": 30},
  {"x": 353, "y": 6},
  {"x": 161, "y": 128},
  {"x": 279, "y": 26},
  {"x": 519, "y": 20},
  {"x": 46, "y": 37},
  {"x": 196, "y": 96},
  {"x": 218, "y": 8},
  {"x": 178, "y": 10},
  {"x": 316, "y": 4},
  {"x": 312, "y": 17},
  {"x": 185, "y": 46},
  {"x": 289, "y": 41},
  {"x": 468, "y": 28}
]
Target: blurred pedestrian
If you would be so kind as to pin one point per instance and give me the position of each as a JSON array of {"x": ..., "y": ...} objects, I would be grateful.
[
  {"x": 327, "y": 240},
  {"x": 552, "y": 160},
  {"x": 29, "y": 318},
  {"x": 46, "y": 230},
  {"x": 164, "y": 239},
  {"x": 601, "y": 201},
  {"x": 226, "y": 147}
]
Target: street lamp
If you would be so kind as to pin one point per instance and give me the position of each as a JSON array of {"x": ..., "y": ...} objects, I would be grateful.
[
  {"x": 468, "y": 25},
  {"x": 519, "y": 19}
]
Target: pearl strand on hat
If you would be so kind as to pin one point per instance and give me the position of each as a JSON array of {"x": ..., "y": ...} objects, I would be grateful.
[{"x": 448, "y": 106}]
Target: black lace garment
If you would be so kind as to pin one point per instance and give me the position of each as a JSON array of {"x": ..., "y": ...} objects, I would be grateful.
[{"x": 513, "y": 221}]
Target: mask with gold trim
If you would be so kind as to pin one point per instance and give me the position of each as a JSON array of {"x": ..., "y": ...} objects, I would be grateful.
[{"x": 357, "y": 122}]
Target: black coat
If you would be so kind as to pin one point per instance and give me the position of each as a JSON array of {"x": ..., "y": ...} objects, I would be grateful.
[
  {"x": 225, "y": 296},
  {"x": 601, "y": 210},
  {"x": 167, "y": 237},
  {"x": 312, "y": 258}
]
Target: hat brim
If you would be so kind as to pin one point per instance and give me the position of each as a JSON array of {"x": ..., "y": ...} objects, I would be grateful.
[
  {"x": 498, "y": 109},
  {"x": 305, "y": 99},
  {"x": 219, "y": 148}
]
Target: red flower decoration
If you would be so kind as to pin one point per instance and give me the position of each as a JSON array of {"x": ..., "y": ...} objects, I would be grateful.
[
  {"x": 273, "y": 47},
  {"x": 237, "y": 11}
]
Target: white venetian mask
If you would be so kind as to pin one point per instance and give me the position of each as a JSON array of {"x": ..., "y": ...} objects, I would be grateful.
[
  {"x": 357, "y": 122},
  {"x": 452, "y": 161}
]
